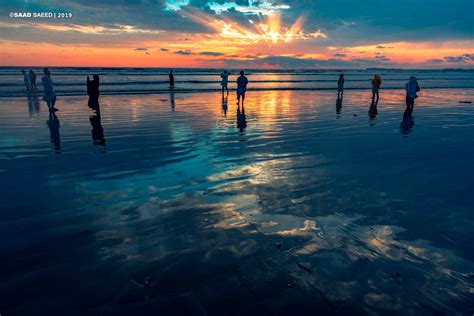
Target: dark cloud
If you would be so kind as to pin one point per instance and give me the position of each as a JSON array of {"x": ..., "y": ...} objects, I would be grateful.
[
  {"x": 339, "y": 55},
  {"x": 435, "y": 61},
  {"x": 459, "y": 59},
  {"x": 184, "y": 52},
  {"x": 468, "y": 56},
  {"x": 382, "y": 58},
  {"x": 164, "y": 49},
  {"x": 211, "y": 54},
  {"x": 141, "y": 48},
  {"x": 287, "y": 62}
]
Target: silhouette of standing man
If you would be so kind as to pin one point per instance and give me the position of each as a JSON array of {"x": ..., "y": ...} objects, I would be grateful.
[
  {"x": 171, "y": 79},
  {"x": 340, "y": 85},
  {"x": 93, "y": 92},
  {"x": 242, "y": 82},
  {"x": 32, "y": 76}
]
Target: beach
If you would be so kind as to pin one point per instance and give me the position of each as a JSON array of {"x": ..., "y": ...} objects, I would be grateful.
[{"x": 163, "y": 203}]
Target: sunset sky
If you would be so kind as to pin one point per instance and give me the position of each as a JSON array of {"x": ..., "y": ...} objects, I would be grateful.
[{"x": 240, "y": 33}]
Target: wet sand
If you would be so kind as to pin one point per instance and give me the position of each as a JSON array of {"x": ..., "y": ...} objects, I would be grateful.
[{"x": 162, "y": 204}]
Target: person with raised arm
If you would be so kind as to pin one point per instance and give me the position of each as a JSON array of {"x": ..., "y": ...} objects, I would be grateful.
[
  {"x": 376, "y": 83},
  {"x": 225, "y": 81}
]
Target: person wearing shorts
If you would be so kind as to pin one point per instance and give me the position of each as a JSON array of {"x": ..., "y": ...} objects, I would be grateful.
[{"x": 242, "y": 82}]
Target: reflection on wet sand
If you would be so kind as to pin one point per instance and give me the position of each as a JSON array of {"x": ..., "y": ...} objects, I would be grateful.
[
  {"x": 183, "y": 217},
  {"x": 241, "y": 118},
  {"x": 98, "y": 138},
  {"x": 373, "y": 113},
  {"x": 224, "y": 104},
  {"x": 334, "y": 258},
  {"x": 53, "y": 125},
  {"x": 172, "y": 102},
  {"x": 33, "y": 104},
  {"x": 339, "y": 105},
  {"x": 408, "y": 122}
]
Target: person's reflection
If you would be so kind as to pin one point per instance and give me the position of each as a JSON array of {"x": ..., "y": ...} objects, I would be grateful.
[
  {"x": 33, "y": 104},
  {"x": 98, "y": 138},
  {"x": 339, "y": 105},
  {"x": 373, "y": 112},
  {"x": 172, "y": 104},
  {"x": 241, "y": 119},
  {"x": 407, "y": 124},
  {"x": 224, "y": 104},
  {"x": 53, "y": 125}
]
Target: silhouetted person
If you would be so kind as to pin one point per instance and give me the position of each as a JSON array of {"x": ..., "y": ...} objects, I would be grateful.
[
  {"x": 49, "y": 96},
  {"x": 224, "y": 105},
  {"x": 241, "y": 119},
  {"x": 98, "y": 138},
  {"x": 53, "y": 125},
  {"x": 411, "y": 88},
  {"x": 340, "y": 85},
  {"x": 32, "y": 76},
  {"x": 93, "y": 92},
  {"x": 242, "y": 82},
  {"x": 26, "y": 79},
  {"x": 172, "y": 103},
  {"x": 339, "y": 105},
  {"x": 376, "y": 82},
  {"x": 171, "y": 76},
  {"x": 225, "y": 81}
]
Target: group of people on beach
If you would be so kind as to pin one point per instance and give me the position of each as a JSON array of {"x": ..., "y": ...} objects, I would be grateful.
[
  {"x": 242, "y": 82},
  {"x": 411, "y": 89},
  {"x": 49, "y": 95},
  {"x": 29, "y": 79}
]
